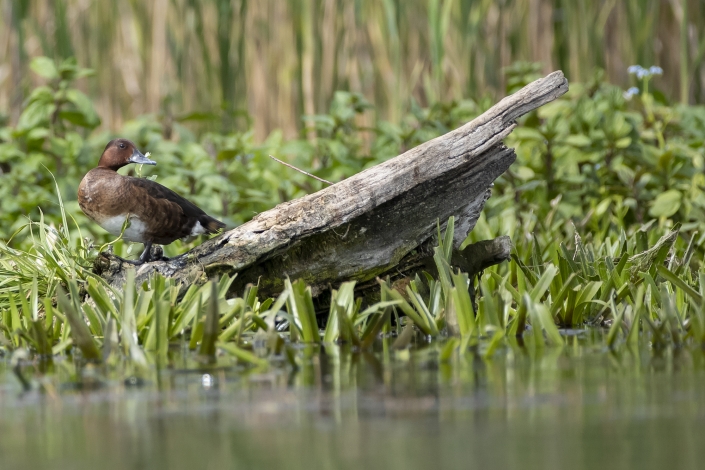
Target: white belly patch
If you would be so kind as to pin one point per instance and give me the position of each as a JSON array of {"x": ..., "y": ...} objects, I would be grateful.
[
  {"x": 134, "y": 233},
  {"x": 197, "y": 229}
]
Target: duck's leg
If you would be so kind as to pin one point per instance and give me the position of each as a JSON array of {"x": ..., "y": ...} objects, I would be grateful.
[
  {"x": 144, "y": 257},
  {"x": 146, "y": 254}
]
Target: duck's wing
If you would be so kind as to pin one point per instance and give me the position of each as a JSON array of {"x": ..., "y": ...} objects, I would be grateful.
[{"x": 169, "y": 215}]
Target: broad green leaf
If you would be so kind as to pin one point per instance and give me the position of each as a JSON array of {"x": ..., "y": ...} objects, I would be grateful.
[
  {"x": 666, "y": 204},
  {"x": 44, "y": 67}
]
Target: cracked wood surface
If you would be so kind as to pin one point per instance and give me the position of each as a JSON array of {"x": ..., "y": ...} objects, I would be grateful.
[{"x": 363, "y": 226}]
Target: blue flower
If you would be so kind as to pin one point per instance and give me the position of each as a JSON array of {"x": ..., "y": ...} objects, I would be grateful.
[
  {"x": 634, "y": 69},
  {"x": 641, "y": 72},
  {"x": 630, "y": 93}
]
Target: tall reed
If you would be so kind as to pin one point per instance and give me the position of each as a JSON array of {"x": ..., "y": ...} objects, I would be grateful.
[{"x": 276, "y": 60}]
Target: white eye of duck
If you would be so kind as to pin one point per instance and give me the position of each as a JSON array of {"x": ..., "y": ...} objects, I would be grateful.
[{"x": 122, "y": 146}]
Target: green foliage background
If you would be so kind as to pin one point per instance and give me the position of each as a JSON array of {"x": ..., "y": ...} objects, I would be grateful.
[{"x": 596, "y": 158}]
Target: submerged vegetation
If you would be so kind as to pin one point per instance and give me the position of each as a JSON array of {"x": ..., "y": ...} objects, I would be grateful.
[{"x": 605, "y": 206}]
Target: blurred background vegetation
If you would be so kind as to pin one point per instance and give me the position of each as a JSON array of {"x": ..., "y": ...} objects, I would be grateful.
[{"x": 229, "y": 65}]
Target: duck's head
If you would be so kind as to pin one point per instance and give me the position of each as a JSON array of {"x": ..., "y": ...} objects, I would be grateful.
[{"x": 121, "y": 152}]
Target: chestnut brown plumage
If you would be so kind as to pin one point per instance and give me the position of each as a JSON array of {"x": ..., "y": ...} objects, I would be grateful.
[{"x": 156, "y": 213}]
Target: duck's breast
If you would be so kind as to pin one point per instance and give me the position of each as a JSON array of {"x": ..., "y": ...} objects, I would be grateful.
[{"x": 107, "y": 198}]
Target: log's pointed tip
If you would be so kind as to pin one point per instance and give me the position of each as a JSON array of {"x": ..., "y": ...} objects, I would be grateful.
[{"x": 558, "y": 75}]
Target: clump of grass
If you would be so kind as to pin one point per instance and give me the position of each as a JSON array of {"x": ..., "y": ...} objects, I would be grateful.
[
  {"x": 53, "y": 257},
  {"x": 643, "y": 295}
]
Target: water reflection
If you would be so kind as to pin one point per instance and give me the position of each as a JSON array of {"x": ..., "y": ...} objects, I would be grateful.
[{"x": 579, "y": 406}]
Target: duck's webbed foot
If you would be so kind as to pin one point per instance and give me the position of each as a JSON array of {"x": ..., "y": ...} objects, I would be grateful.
[
  {"x": 157, "y": 254},
  {"x": 150, "y": 253},
  {"x": 135, "y": 262},
  {"x": 146, "y": 255}
]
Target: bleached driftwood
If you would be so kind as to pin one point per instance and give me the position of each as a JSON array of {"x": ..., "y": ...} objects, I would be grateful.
[{"x": 368, "y": 224}]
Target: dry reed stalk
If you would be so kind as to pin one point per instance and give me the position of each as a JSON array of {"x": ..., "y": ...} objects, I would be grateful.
[{"x": 280, "y": 59}]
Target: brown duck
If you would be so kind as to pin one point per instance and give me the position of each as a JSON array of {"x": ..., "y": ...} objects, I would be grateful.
[{"x": 156, "y": 213}]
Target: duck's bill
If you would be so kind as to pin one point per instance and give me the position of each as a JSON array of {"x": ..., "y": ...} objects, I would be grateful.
[{"x": 138, "y": 157}]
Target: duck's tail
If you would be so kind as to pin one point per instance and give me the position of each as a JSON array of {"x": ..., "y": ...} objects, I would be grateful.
[{"x": 212, "y": 225}]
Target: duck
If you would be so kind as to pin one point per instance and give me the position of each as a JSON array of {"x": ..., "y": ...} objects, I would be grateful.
[{"x": 156, "y": 214}]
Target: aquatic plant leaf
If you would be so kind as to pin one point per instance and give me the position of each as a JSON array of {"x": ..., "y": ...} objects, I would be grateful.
[
  {"x": 242, "y": 354},
  {"x": 80, "y": 333},
  {"x": 211, "y": 326},
  {"x": 679, "y": 283},
  {"x": 300, "y": 306},
  {"x": 462, "y": 305}
]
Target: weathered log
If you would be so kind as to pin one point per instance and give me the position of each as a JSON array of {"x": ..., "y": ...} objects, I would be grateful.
[{"x": 366, "y": 225}]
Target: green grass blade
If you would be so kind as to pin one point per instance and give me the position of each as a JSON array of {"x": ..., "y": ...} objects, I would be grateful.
[
  {"x": 679, "y": 283},
  {"x": 211, "y": 327},
  {"x": 80, "y": 333}
]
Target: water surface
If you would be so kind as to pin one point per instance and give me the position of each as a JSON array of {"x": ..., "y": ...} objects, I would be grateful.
[{"x": 576, "y": 407}]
